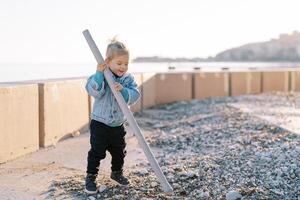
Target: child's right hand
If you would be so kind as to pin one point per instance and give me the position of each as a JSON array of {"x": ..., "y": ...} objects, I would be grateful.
[{"x": 101, "y": 67}]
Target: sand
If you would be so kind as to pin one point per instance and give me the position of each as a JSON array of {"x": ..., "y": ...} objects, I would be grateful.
[{"x": 31, "y": 176}]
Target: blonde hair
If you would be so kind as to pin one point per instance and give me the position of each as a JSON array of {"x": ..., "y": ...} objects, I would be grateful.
[{"x": 116, "y": 47}]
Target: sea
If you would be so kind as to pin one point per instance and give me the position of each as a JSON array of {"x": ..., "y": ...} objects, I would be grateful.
[{"x": 15, "y": 72}]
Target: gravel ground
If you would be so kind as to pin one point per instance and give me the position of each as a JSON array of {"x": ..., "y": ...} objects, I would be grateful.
[
  {"x": 282, "y": 109},
  {"x": 207, "y": 149}
]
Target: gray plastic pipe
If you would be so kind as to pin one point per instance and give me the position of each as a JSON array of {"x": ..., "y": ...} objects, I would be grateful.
[{"x": 132, "y": 123}]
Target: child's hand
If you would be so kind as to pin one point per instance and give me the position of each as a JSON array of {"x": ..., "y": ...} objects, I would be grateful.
[
  {"x": 101, "y": 67},
  {"x": 118, "y": 87}
]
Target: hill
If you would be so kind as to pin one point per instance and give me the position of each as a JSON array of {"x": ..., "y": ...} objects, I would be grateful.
[{"x": 285, "y": 48}]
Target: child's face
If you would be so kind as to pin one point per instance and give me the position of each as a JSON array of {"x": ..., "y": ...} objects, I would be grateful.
[{"x": 119, "y": 64}]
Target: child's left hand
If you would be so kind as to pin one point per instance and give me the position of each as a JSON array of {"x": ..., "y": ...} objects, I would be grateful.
[{"x": 118, "y": 87}]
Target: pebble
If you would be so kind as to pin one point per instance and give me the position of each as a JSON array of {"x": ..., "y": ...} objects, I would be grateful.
[
  {"x": 102, "y": 188},
  {"x": 233, "y": 195},
  {"x": 203, "y": 195},
  {"x": 153, "y": 184}
]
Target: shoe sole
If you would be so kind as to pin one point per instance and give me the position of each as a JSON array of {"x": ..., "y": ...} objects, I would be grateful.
[{"x": 90, "y": 192}]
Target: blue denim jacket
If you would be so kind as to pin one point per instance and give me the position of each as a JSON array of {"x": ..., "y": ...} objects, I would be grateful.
[{"x": 106, "y": 108}]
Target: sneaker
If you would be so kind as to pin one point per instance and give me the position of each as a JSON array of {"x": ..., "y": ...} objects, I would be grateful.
[
  {"x": 90, "y": 184},
  {"x": 118, "y": 177}
]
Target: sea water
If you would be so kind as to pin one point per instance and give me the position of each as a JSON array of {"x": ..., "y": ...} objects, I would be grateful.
[{"x": 11, "y": 72}]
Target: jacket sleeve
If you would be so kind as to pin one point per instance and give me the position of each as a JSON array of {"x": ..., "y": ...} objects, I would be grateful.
[
  {"x": 95, "y": 85},
  {"x": 133, "y": 92},
  {"x": 125, "y": 94}
]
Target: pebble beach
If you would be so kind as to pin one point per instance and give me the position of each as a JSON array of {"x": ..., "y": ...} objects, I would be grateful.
[{"x": 217, "y": 148}]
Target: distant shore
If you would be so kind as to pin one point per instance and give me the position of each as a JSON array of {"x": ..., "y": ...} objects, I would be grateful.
[
  {"x": 283, "y": 49},
  {"x": 157, "y": 59}
]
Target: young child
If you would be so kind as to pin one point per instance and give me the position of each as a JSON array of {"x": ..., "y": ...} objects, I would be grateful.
[{"x": 106, "y": 125}]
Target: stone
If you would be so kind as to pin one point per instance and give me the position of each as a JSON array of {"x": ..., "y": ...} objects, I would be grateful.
[
  {"x": 102, "y": 188},
  {"x": 233, "y": 195}
]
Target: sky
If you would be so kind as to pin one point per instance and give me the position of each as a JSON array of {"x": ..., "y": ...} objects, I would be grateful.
[{"x": 51, "y": 30}]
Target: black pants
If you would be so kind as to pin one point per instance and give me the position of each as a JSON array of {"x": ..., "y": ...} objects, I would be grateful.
[{"x": 105, "y": 138}]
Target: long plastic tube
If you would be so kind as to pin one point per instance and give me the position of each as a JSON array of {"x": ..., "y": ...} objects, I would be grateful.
[{"x": 132, "y": 123}]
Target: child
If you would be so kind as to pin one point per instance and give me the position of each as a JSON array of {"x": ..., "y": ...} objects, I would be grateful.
[{"x": 106, "y": 126}]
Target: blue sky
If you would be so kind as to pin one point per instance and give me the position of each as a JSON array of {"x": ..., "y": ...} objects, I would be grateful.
[{"x": 51, "y": 31}]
